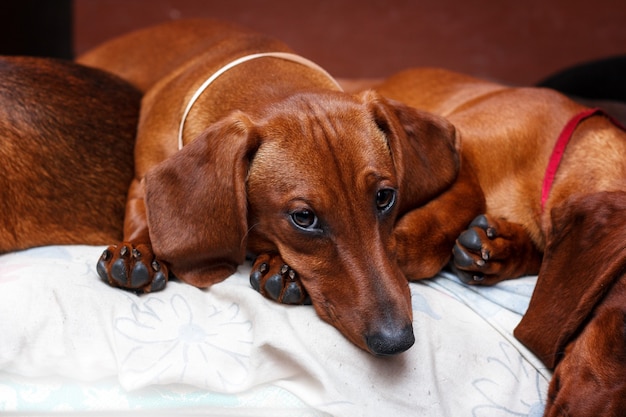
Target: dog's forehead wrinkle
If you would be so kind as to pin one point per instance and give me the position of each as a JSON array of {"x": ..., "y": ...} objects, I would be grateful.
[{"x": 298, "y": 145}]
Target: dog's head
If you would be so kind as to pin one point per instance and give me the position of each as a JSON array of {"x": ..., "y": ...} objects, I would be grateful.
[{"x": 319, "y": 178}]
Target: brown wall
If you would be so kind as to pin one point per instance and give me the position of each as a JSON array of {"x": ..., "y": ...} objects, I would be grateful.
[{"x": 513, "y": 41}]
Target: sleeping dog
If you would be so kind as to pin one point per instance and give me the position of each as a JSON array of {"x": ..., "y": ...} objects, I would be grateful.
[
  {"x": 245, "y": 147},
  {"x": 66, "y": 138},
  {"x": 553, "y": 174}
]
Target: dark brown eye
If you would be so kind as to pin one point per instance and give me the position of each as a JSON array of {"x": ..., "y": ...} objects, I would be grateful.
[
  {"x": 304, "y": 219},
  {"x": 385, "y": 199}
]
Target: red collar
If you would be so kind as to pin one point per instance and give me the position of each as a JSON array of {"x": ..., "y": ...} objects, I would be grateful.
[{"x": 561, "y": 144}]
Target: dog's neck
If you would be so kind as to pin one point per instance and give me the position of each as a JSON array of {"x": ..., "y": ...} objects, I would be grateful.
[
  {"x": 561, "y": 144},
  {"x": 281, "y": 55}
]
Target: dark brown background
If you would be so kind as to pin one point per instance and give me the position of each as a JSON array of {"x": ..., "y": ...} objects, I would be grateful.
[{"x": 514, "y": 41}]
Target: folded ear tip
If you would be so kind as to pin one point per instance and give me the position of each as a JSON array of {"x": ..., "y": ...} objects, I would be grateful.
[
  {"x": 207, "y": 274},
  {"x": 537, "y": 342}
]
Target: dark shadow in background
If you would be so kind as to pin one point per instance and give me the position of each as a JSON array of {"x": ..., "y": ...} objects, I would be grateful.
[
  {"x": 36, "y": 28},
  {"x": 601, "y": 79}
]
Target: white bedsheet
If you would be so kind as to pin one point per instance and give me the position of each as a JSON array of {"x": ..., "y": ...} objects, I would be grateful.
[{"x": 68, "y": 342}]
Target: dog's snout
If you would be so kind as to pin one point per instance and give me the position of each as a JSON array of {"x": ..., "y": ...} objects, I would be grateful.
[{"x": 391, "y": 341}]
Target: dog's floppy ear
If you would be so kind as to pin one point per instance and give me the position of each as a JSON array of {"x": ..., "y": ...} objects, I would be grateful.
[
  {"x": 197, "y": 206},
  {"x": 584, "y": 256},
  {"x": 424, "y": 146}
]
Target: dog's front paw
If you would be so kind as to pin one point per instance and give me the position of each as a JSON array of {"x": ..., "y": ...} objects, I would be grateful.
[
  {"x": 276, "y": 280},
  {"x": 480, "y": 251},
  {"x": 132, "y": 267}
]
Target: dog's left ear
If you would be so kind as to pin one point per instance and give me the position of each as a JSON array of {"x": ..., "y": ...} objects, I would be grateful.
[
  {"x": 196, "y": 203},
  {"x": 424, "y": 147},
  {"x": 584, "y": 256}
]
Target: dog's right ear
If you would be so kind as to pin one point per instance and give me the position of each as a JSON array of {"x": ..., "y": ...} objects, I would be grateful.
[
  {"x": 196, "y": 203},
  {"x": 424, "y": 146},
  {"x": 584, "y": 256}
]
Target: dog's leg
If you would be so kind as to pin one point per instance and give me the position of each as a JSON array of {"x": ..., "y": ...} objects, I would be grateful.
[
  {"x": 492, "y": 250},
  {"x": 274, "y": 279},
  {"x": 131, "y": 264},
  {"x": 425, "y": 236}
]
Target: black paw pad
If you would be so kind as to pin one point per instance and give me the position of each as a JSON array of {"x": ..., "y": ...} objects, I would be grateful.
[
  {"x": 101, "y": 266},
  {"x": 158, "y": 282},
  {"x": 274, "y": 286},
  {"x": 292, "y": 294},
  {"x": 255, "y": 280},
  {"x": 471, "y": 240},
  {"x": 483, "y": 222},
  {"x": 140, "y": 275},
  {"x": 480, "y": 221},
  {"x": 461, "y": 258},
  {"x": 119, "y": 272},
  {"x": 255, "y": 277}
]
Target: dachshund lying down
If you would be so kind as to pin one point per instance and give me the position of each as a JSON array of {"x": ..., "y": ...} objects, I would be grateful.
[
  {"x": 341, "y": 198},
  {"x": 243, "y": 147},
  {"x": 66, "y": 139},
  {"x": 565, "y": 202}
]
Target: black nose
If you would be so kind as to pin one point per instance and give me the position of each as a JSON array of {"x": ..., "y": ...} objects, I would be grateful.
[{"x": 391, "y": 341}]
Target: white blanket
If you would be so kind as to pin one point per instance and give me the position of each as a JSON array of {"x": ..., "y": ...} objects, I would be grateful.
[{"x": 70, "y": 342}]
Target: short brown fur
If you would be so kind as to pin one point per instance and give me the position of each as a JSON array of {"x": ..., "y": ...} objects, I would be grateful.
[
  {"x": 65, "y": 140},
  {"x": 575, "y": 243}
]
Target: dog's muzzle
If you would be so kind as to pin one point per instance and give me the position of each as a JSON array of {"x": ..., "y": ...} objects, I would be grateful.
[{"x": 391, "y": 341}]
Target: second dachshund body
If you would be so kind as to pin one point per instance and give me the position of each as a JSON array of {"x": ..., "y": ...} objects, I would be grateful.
[
  {"x": 66, "y": 137},
  {"x": 554, "y": 178}
]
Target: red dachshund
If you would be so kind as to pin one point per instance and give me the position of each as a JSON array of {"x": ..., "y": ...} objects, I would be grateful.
[
  {"x": 553, "y": 175},
  {"x": 66, "y": 134},
  {"x": 577, "y": 315},
  {"x": 244, "y": 147}
]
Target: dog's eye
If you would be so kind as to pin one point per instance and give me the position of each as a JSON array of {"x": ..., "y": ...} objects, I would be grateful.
[
  {"x": 385, "y": 199},
  {"x": 304, "y": 219}
]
